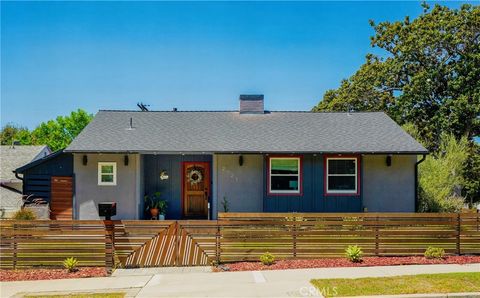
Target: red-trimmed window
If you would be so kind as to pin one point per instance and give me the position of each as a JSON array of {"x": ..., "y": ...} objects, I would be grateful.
[
  {"x": 284, "y": 175},
  {"x": 342, "y": 175}
]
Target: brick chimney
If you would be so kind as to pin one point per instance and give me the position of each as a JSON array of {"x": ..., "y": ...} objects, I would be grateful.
[{"x": 251, "y": 104}]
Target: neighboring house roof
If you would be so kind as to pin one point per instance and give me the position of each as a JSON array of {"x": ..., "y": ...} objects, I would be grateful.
[
  {"x": 10, "y": 198},
  {"x": 16, "y": 156},
  {"x": 38, "y": 161},
  {"x": 229, "y": 132}
]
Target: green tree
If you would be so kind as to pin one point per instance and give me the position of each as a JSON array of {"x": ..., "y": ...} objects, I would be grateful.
[
  {"x": 12, "y": 132},
  {"x": 472, "y": 174},
  {"x": 59, "y": 133},
  {"x": 441, "y": 176},
  {"x": 365, "y": 91},
  {"x": 427, "y": 77}
]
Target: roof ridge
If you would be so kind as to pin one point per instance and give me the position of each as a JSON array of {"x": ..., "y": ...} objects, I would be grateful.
[{"x": 236, "y": 111}]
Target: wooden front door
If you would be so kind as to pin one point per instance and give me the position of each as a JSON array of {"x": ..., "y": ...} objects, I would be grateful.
[
  {"x": 196, "y": 189},
  {"x": 61, "y": 198}
]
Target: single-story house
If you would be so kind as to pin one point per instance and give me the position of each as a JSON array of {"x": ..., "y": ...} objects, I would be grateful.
[
  {"x": 250, "y": 160},
  {"x": 11, "y": 185}
]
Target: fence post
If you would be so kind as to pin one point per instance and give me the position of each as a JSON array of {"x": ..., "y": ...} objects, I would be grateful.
[
  {"x": 377, "y": 238},
  {"x": 458, "y": 248},
  {"x": 14, "y": 247},
  {"x": 177, "y": 244},
  {"x": 217, "y": 245},
  {"x": 294, "y": 237},
  {"x": 109, "y": 245},
  {"x": 478, "y": 220}
]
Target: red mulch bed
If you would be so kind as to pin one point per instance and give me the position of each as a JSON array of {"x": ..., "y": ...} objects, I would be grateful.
[
  {"x": 343, "y": 262},
  {"x": 38, "y": 274}
]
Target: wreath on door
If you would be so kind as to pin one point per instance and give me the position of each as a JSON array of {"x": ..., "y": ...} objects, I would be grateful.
[{"x": 194, "y": 176}]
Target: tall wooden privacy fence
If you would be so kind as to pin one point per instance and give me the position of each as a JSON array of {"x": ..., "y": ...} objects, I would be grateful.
[
  {"x": 313, "y": 235},
  {"x": 233, "y": 237}
]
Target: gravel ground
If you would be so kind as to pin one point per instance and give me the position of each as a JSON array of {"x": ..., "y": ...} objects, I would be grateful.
[
  {"x": 39, "y": 274},
  {"x": 343, "y": 262}
]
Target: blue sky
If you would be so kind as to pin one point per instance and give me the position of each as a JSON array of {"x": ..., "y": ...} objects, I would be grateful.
[{"x": 60, "y": 56}]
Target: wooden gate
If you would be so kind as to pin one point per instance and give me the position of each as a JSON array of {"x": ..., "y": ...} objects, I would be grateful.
[
  {"x": 61, "y": 198},
  {"x": 165, "y": 243}
]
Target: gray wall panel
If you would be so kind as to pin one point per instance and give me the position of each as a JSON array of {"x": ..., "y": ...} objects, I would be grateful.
[
  {"x": 241, "y": 185},
  {"x": 389, "y": 189},
  {"x": 88, "y": 193}
]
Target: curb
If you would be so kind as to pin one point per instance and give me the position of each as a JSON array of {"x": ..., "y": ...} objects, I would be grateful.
[
  {"x": 439, "y": 295},
  {"x": 129, "y": 292}
]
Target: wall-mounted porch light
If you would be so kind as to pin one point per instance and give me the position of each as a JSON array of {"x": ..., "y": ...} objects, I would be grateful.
[
  {"x": 163, "y": 175},
  {"x": 84, "y": 160},
  {"x": 125, "y": 160},
  {"x": 389, "y": 160},
  {"x": 240, "y": 160}
]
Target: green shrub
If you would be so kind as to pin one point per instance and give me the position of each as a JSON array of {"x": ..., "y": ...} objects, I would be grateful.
[
  {"x": 70, "y": 264},
  {"x": 354, "y": 253},
  {"x": 434, "y": 252},
  {"x": 267, "y": 258},
  {"x": 441, "y": 176},
  {"x": 24, "y": 214}
]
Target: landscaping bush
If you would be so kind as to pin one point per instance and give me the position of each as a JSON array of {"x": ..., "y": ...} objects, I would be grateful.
[
  {"x": 354, "y": 253},
  {"x": 267, "y": 258},
  {"x": 70, "y": 264},
  {"x": 434, "y": 253},
  {"x": 441, "y": 176},
  {"x": 24, "y": 214}
]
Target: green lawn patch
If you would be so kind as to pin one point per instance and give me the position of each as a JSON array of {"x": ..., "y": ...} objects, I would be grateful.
[
  {"x": 405, "y": 284},
  {"x": 86, "y": 295}
]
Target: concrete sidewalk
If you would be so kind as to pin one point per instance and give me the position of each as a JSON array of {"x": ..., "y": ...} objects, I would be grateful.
[
  {"x": 10, "y": 289},
  {"x": 199, "y": 282}
]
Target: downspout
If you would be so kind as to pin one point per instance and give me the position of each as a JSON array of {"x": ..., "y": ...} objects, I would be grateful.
[
  {"x": 18, "y": 177},
  {"x": 416, "y": 181},
  {"x": 21, "y": 179}
]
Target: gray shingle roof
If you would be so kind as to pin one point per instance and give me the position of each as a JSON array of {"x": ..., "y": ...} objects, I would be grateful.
[
  {"x": 10, "y": 198},
  {"x": 14, "y": 157},
  {"x": 372, "y": 132}
]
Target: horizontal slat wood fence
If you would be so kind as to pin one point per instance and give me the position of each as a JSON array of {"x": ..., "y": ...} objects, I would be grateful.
[
  {"x": 312, "y": 235},
  {"x": 233, "y": 237},
  {"x": 49, "y": 242}
]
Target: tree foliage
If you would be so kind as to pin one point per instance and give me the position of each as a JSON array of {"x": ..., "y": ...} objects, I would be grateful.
[
  {"x": 57, "y": 134},
  {"x": 427, "y": 78},
  {"x": 472, "y": 174},
  {"x": 12, "y": 132},
  {"x": 441, "y": 176},
  {"x": 364, "y": 91}
]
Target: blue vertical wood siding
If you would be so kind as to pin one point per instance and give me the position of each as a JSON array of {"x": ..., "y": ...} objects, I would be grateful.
[
  {"x": 313, "y": 198},
  {"x": 36, "y": 180},
  {"x": 170, "y": 188}
]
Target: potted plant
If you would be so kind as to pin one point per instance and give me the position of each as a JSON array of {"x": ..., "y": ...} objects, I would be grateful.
[
  {"x": 156, "y": 206},
  {"x": 162, "y": 208}
]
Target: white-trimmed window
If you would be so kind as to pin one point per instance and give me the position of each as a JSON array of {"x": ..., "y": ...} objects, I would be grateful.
[
  {"x": 284, "y": 175},
  {"x": 107, "y": 173},
  {"x": 341, "y": 175}
]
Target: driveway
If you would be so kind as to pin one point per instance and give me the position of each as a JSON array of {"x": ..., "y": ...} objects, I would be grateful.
[{"x": 199, "y": 282}]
